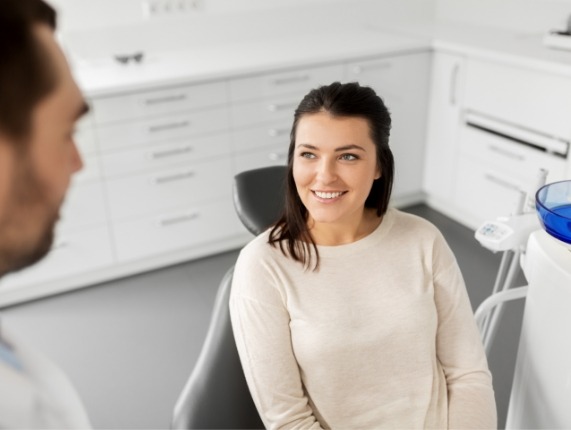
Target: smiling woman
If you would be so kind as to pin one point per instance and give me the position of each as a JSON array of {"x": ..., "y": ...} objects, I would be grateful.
[
  {"x": 333, "y": 177},
  {"x": 340, "y": 170},
  {"x": 378, "y": 332}
]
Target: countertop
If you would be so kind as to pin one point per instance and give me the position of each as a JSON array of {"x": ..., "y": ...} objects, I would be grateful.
[
  {"x": 177, "y": 53},
  {"x": 519, "y": 48},
  {"x": 101, "y": 76}
]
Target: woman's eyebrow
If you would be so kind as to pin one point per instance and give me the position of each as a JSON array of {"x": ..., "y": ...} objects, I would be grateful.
[
  {"x": 341, "y": 148},
  {"x": 352, "y": 146},
  {"x": 308, "y": 146}
]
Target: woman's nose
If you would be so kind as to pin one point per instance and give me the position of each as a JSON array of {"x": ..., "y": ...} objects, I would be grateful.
[{"x": 326, "y": 172}]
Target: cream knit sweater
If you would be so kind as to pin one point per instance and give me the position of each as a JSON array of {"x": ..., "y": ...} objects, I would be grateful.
[{"x": 382, "y": 336}]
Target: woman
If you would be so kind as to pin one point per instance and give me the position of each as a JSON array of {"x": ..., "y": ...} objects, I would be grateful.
[{"x": 349, "y": 314}]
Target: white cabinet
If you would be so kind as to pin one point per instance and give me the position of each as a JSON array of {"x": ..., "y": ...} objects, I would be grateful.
[
  {"x": 156, "y": 103},
  {"x": 402, "y": 82},
  {"x": 444, "y": 113},
  {"x": 188, "y": 226},
  {"x": 515, "y": 122},
  {"x": 535, "y": 100},
  {"x": 159, "y": 164},
  {"x": 296, "y": 82},
  {"x": 492, "y": 127},
  {"x": 168, "y": 170}
]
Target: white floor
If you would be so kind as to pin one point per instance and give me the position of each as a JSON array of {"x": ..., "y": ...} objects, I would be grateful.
[{"x": 129, "y": 345}]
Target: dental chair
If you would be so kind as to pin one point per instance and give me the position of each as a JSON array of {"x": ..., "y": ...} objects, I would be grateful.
[{"x": 216, "y": 395}]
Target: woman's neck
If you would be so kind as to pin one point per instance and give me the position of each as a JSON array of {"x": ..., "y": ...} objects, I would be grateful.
[{"x": 334, "y": 234}]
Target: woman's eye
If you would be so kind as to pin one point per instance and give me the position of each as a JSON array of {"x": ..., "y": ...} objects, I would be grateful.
[
  {"x": 349, "y": 157},
  {"x": 307, "y": 155}
]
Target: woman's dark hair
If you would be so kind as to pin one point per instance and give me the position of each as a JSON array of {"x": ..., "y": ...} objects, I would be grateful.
[
  {"x": 290, "y": 232},
  {"x": 26, "y": 72}
]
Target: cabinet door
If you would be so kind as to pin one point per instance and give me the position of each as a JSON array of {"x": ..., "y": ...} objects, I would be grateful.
[
  {"x": 402, "y": 83},
  {"x": 446, "y": 94}
]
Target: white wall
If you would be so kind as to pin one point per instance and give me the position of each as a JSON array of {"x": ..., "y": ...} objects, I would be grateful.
[
  {"x": 525, "y": 16},
  {"x": 87, "y": 14},
  {"x": 92, "y": 30},
  {"x": 522, "y": 16},
  {"x": 77, "y": 15}
]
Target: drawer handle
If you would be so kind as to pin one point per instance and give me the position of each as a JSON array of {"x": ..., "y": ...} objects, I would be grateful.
[
  {"x": 170, "y": 178},
  {"x": 518, "y": 134},
  {"x": 169, "y": 126},
  {"x": 276, "y": 107},
  {"x": 165, "y": 222},
  {"x": 275, "y": 156},
  {"x": 169, "y": 152},
  {"x": 275, "y": 132},
  {"x": 165, "y": 99},
  {"x": 362, "y": 69},
  {"x": 507, "y": 153},
  {"x": 453, "y": 84},
  {"x": 291, "y": 79},
  {"x": 502, "y": 182}
]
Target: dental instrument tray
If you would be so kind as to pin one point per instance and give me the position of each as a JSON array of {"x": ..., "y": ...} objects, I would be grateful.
[{"x": 553, "y": 204}]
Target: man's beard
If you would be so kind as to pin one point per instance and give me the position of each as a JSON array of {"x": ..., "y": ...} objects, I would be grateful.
[{"x": 27, "y": 209}]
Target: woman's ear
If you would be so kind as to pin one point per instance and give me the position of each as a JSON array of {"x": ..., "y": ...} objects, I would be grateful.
[{"x": 378, "y": 173}]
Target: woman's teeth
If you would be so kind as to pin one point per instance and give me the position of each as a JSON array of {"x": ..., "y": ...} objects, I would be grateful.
[{"x": 327, "y": 195}]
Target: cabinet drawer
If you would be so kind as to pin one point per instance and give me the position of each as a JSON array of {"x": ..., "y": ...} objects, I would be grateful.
[
  {"x": 485, "y": 192},
  {"x": 72, "y": 254},
  {"x": 273, "y": 156},
  {"x": 537, "y": 100},
  {"x": 269, "y": 135},
  {"x": 277, "y": 109},
  {"x": 158, "y": 102},
  {"x": 84, "y": 205},
  {"x": 183, "y": 228},
  {"x": 297, "y": 82},
  {"x": 159, "y": 129},
  {"x": 507, "y": 155},
  {"x": 392, "y": 77},
  {"x": 159, "y": 156},
  {"x": 152, "y": 192}
]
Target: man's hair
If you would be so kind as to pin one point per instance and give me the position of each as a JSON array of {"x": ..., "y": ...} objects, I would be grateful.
[{"x": 27, "y": 74}]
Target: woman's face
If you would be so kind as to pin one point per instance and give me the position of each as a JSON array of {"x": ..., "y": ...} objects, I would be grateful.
[{"x": 334, "y": 166}]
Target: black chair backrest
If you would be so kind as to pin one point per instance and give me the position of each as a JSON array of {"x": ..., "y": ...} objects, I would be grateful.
[
  {"x": 259, "y": 197},
  {"x": 216, "y": 396}
]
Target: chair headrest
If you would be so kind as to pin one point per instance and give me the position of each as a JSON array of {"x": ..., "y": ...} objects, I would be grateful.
[{"x": 259, "y": 197}]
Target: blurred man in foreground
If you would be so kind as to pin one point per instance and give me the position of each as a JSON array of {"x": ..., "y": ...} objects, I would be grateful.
[{"x": 39, "y": 106}]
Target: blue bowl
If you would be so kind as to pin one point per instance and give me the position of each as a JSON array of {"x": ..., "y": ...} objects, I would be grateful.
[{"x": 553, "y": 204}]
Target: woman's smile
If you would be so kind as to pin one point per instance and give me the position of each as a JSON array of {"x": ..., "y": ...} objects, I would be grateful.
[
  {"x": 328, "y": 196},
  {"x": 334, "y": 168}
]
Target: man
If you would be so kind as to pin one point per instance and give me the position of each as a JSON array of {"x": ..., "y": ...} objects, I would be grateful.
[{"x": 39, "y": 105}]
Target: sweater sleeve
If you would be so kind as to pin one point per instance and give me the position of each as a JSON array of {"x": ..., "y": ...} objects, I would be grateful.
[
  {"x": 471, "y": 402},
  {"x": 260, "y": 323}
]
